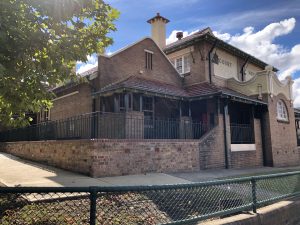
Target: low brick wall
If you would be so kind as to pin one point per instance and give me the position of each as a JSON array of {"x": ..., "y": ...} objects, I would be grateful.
[
  {"x": 110, "y": 157},
  {"x": 135, "y": 157},
  {"x": 281, "y": 213},
  {"x": 73, "y": 155}
]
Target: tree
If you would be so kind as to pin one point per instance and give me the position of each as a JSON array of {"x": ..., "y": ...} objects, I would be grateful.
[{"x": 40, "y": 42}]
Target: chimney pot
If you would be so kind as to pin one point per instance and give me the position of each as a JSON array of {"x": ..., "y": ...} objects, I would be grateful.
[{"x": 179, "y": 35}]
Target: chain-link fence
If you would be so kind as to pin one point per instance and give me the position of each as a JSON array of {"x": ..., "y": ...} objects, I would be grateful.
[{"x": 163, "y": 204}]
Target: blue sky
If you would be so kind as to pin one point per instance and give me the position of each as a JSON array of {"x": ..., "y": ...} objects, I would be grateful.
[
  {"x": 267, "y": 29},
  {"x": 225, "y": 16}
]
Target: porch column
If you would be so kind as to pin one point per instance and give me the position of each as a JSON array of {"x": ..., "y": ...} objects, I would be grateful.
[
  {"x": 116, "y": 108},
  {"x": 180, "y": 109},
  {"x": 126, "y": 102}
]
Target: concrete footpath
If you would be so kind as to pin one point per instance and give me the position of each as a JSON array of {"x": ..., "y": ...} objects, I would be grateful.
[{"x": 18, "y": 172}]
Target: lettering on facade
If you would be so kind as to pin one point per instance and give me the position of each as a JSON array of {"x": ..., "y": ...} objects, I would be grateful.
[
  {"x": 218, "y": 60},
  {"x": 251, "y": 73}
]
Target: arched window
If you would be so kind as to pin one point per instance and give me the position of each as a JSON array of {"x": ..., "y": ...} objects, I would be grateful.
[{"x": 282, "y": 111}]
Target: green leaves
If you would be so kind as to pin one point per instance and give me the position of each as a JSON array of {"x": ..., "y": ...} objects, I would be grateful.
[{"x": 40, "y": 41}]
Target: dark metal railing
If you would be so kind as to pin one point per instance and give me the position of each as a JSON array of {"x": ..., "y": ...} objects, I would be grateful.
[
  {"x": 158, "y": 204},
  {"x": 242, "y": 134},
  {"x": 108, "y": 126},
  {"x": 298, "y": 136}
]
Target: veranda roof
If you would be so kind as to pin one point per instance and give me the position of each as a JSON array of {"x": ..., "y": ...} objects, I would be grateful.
[{"x": 198, "y": 91}]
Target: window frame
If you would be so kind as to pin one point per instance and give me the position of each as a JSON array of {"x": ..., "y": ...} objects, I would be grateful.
[
  {"x": 185, "y": 64},
  {"x": 282, "y": 111}
]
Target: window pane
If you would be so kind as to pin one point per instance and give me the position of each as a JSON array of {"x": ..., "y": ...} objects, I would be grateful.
[
  {"x": 179, "y": 65},
  {"x": 186, "y": 64},
  {"x": 148, "y": 60},
  {"x": 281, "y": 111}
]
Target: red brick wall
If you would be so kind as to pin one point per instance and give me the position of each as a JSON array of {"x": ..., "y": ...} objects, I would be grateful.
[
  {"x": 132, "y": 60},
  {"x": 249, "y": 158},
  {"x": 211, "y": 150},
  {"x": 72, "y": 155},
  {"x": 136, "y": 157},
  {"x": 73, "y": 105},
  {"x": 111, "y": 157},
  {"x": 281, "y": 139}
]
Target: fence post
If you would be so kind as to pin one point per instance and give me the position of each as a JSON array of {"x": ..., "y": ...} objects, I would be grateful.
[
  {"x": 254, "y": 197},
  {"x": 93, "y": 201}
]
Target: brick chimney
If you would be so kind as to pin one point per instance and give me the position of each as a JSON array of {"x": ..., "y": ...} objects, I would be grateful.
[{"x": 158, "y": 29}]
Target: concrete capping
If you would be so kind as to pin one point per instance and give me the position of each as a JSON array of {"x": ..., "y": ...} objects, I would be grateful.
[
  {"x": 67, "y": 95},
  {"x": 284, "y": 212},
  {"x": 242, "y": 147}
]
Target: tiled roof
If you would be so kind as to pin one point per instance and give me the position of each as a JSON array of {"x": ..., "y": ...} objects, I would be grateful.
[
  {"x": 90, "y": 71},
  {"x": 72, "y": 83},
  {"x": 202, "y": 89},
  {"x": 139, "y": 83},
  {"x": 154, "y": 86},
  {"x": 208, "y": 35},
  {"x": 188, "y": 38}
]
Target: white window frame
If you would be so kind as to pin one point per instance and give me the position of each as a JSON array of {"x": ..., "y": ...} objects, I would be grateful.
[
  {"x": 282, "y": 113},
  {"x": 185, "y": 69}
]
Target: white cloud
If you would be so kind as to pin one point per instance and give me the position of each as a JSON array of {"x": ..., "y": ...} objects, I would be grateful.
[
  {"x": 261, "y": 44},
  {"x": 109, "y": 52},
  {"x": 91, "y": 62},
  {"x": 296, "y": 92},
  {"x": 241, "y": 19},
  {"x": 172, "y": 38}
]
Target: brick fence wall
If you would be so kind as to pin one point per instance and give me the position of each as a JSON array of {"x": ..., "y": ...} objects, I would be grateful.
[
  {"x": 110, "y": 157},
  {"x": 135, "y": 157},
  {"x": 104, "y": 157}
]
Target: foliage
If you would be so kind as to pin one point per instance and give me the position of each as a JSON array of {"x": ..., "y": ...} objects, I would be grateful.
[{"x": 40, "y": 42}]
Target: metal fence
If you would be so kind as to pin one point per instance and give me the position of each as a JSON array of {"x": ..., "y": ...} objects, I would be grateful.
[
  {"x": 164, "y": 204},
  {"x": 108, "y": 125},
  {"x": 242, "y": 134}
]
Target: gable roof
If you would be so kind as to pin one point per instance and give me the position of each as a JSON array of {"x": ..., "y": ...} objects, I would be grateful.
[{"x": 207, "y": 35}]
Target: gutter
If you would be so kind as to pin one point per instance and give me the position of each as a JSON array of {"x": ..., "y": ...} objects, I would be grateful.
[
  {"x": 243, "y": 67},
  {"x": 209, "y": 59}
]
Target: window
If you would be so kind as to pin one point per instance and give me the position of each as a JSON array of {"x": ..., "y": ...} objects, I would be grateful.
[
  {"x": 148, "y": 59},
  {"x": 148, "y": 111},
  {"x": 182, "y": 64},
  {"x": 281, "y": 111},
  {"x": 44, "y": 115}
]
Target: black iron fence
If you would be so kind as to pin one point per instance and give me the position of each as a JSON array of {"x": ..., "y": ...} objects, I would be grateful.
[
  {"x": 242, "y": 134},
  {"x": 108, "y": 125},
  {"x": 164, "y": 204},
  {"x": 298, "y": 136}
]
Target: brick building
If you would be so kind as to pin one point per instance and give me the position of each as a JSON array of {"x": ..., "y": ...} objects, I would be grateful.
[{"x": 227, "y": 103}]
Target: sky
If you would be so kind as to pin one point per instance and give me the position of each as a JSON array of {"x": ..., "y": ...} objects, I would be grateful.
[{"x": 266, "y": 29}]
